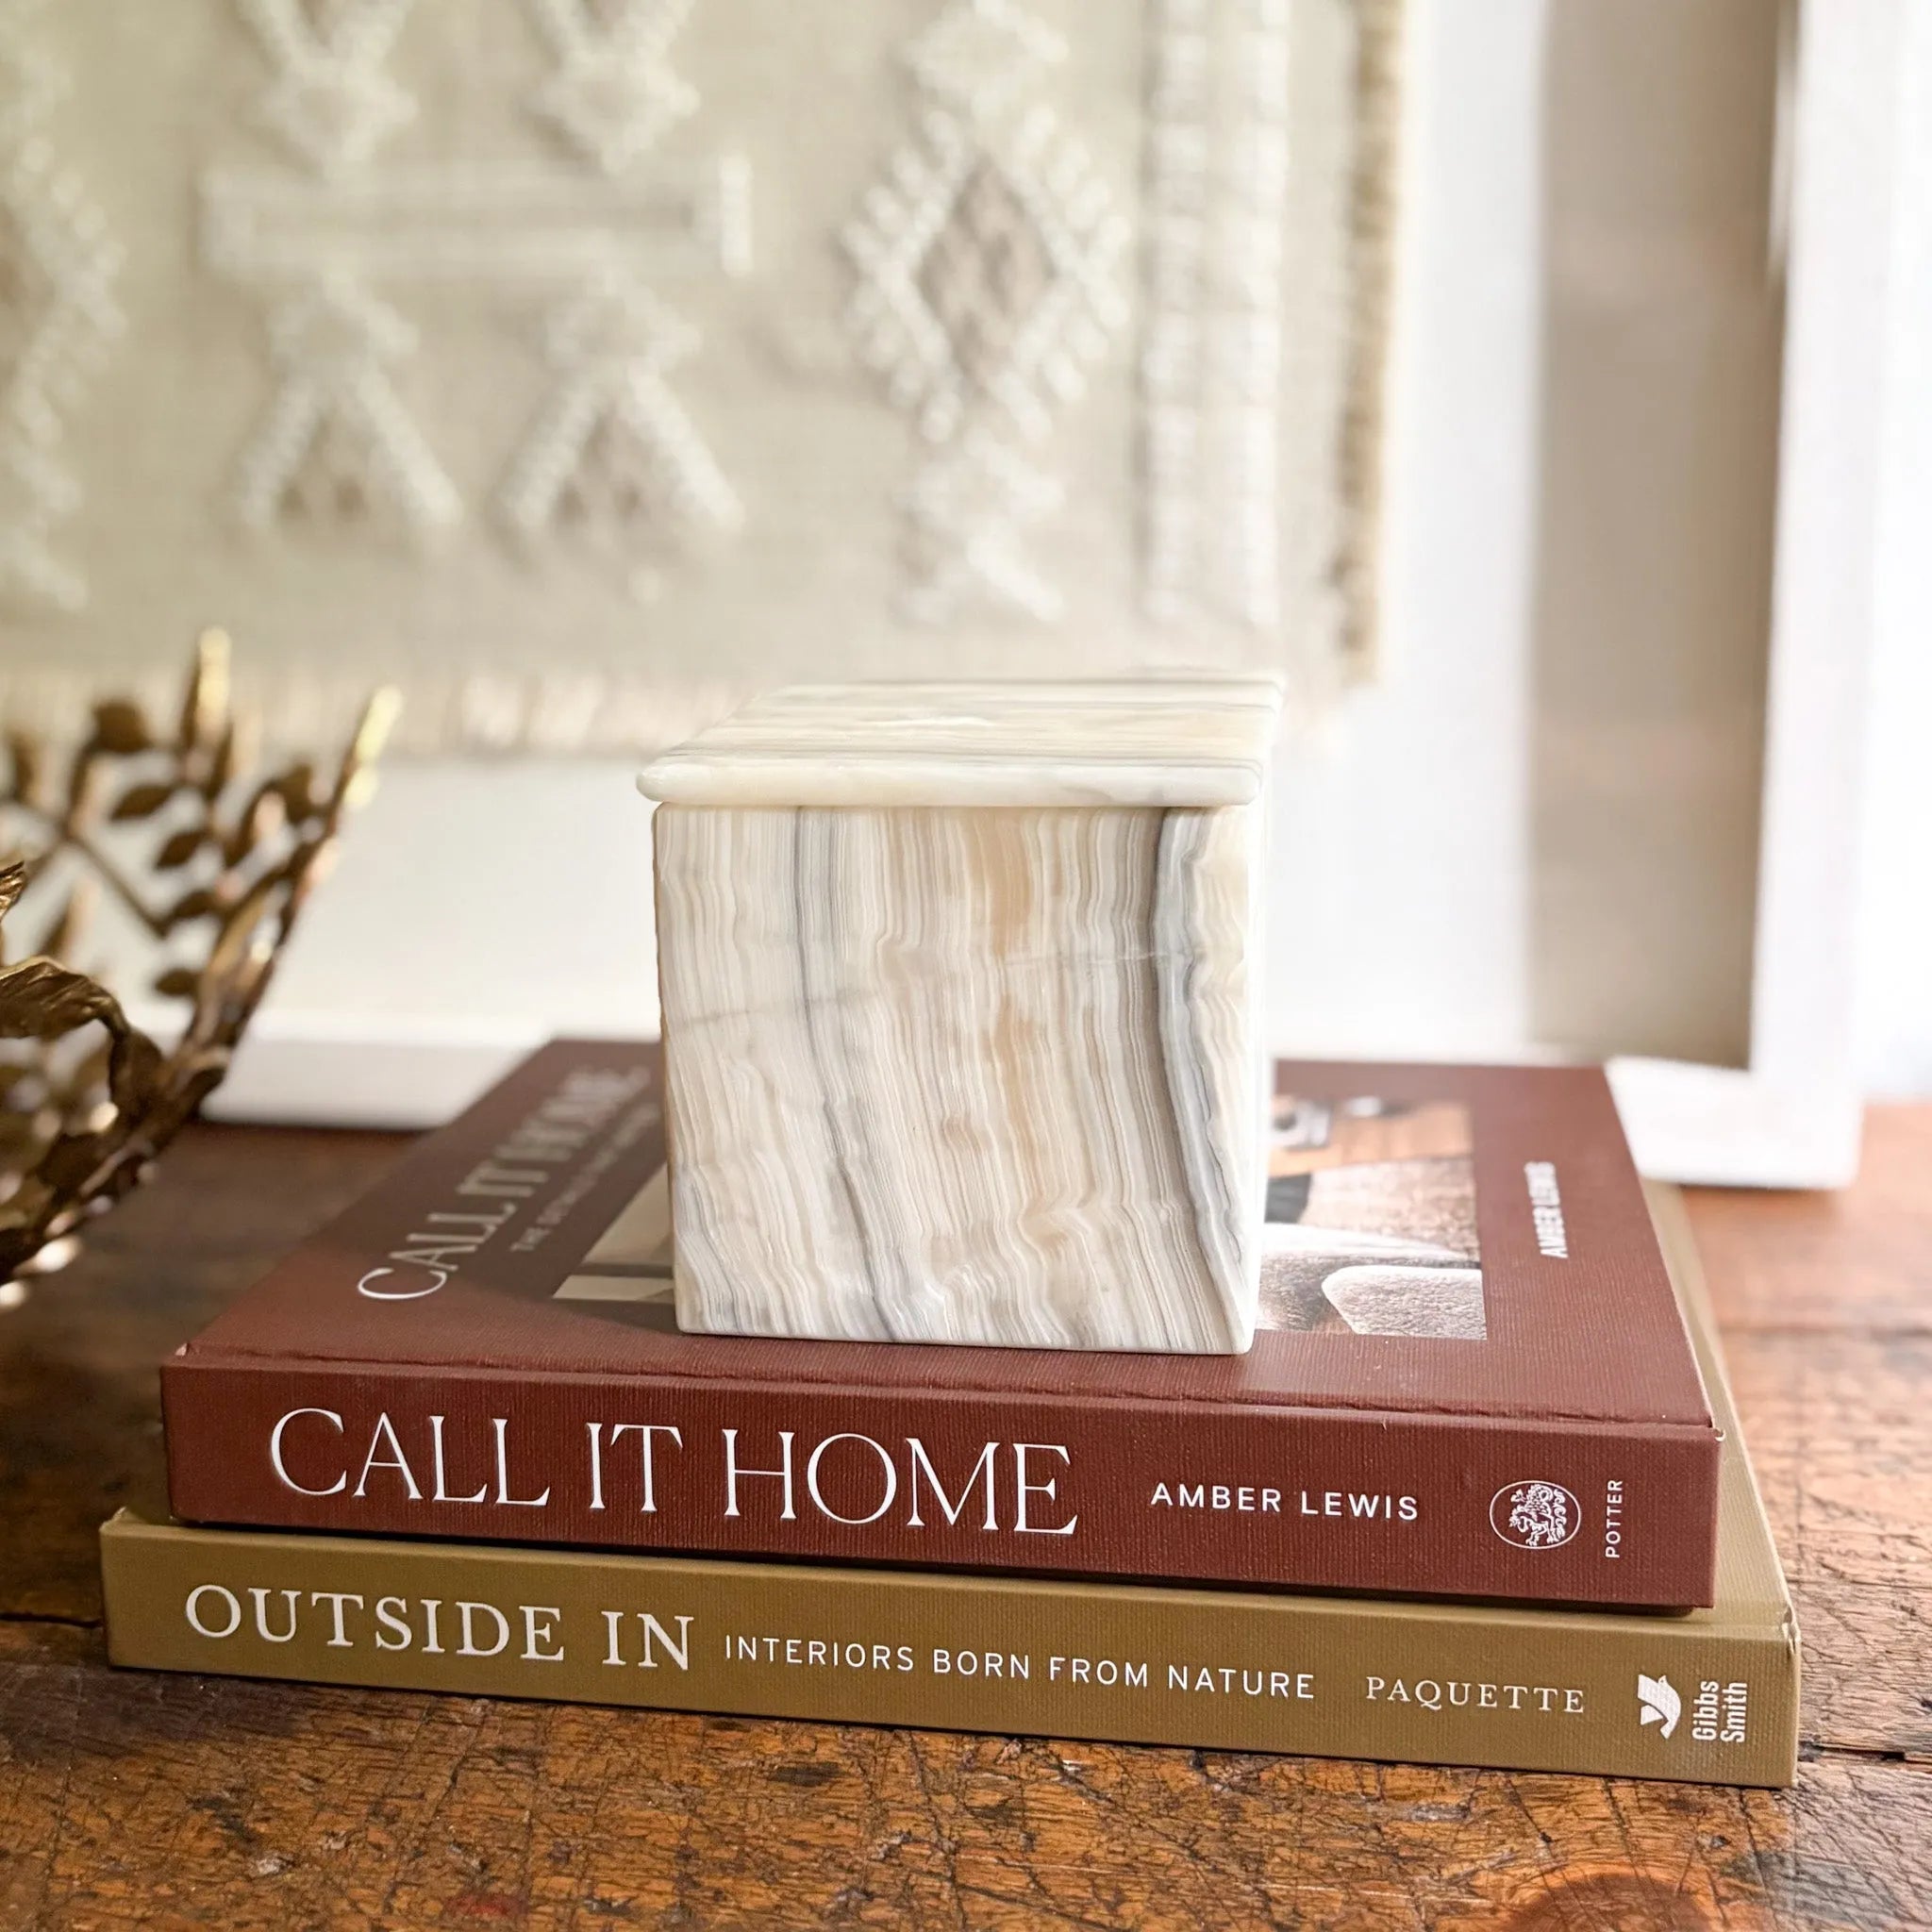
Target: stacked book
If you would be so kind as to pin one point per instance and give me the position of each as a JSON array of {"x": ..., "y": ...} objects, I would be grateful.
[{"x": 1475, "y": 1496}]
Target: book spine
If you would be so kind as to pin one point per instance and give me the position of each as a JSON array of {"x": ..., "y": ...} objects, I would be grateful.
[
  {"x": 1224, "y": 1493},
  {"x": 1618, "y": 1696}
]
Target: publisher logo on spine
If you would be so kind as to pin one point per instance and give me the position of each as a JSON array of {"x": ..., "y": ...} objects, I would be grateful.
[
  {"x": 1535, "y": 1515},
  {"x": 1658, "y": 1703}
]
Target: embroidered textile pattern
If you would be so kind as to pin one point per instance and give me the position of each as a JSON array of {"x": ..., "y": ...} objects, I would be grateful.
[
  {"x": 614, "y": 447},
  {"x": 496, "y": 225},
  {"x": 987, "y": 261},
  {"x": 614, "y": 91},
  {"x": 1371, "y": 281},
  {"x": 611, "y": 446},
  {"x": 1058, "y": 353},
  {"x": 330, "y": 98},
  {"x": 57, "y": 317},
  {"x": 975, "y": 57},
  {"x": 337, "y": 447},
  {"x": 969, "y": 505},
  {"x": 1212, "y": 351}
]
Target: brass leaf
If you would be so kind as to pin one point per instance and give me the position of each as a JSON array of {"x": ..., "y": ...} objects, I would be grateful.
[
  {"x": 221, "y": 765},
  {"x": 29, "y": 767},
  {"x": 141, "y": 802},
  {"x": 204, "y": 705},
  {"x": 296, "y": 786},
  {"x": 197, "y": 903},
  {"x": 259, "y": 821},
  {"x": 82, "y": 1118},
  {"x": 41, "y": 999},
  {"x": 83, "y": 782},
  {"x": 134, "y": 1071},
  {"x": 178, "y": 848},
  {"x": 70, "y": 1163},
  {"x": 121, "y": 728}
]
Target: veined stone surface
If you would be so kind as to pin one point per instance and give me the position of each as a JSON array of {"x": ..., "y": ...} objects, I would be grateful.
[
  {"x": 968, "y": 1074},
  {"x": 1158, "y": 741}
]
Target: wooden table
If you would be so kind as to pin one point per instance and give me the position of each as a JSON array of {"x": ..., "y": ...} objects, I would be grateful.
[{"x": 129, "y": 1798}]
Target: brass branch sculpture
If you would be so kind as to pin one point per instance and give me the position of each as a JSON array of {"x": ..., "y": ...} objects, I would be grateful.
[{"x": 214, "y": 864}]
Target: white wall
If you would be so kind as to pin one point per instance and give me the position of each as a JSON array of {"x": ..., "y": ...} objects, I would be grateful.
[
  {"x": 1893, "y": 1013},
  {"x": 1401, "y": 844}
]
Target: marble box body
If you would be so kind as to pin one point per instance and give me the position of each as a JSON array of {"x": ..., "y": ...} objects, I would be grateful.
[{"x": 959, "y": 1005}]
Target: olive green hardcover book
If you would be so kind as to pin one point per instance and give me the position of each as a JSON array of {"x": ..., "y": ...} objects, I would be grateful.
[{"x": 1710, "y": 1695}]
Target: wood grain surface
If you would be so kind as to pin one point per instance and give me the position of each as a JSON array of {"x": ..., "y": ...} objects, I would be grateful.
[{"x": 129, "y": 1799}]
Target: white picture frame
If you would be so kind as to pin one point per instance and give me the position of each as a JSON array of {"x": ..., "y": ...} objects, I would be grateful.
[{"x": 1859, "y": 138}]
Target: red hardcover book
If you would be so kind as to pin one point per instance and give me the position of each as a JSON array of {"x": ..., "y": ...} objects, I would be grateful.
[{"x": 1472, "y": 1377}]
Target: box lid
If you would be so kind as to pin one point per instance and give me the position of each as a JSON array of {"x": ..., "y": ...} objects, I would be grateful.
[{"x": 1142, "y": 742}]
